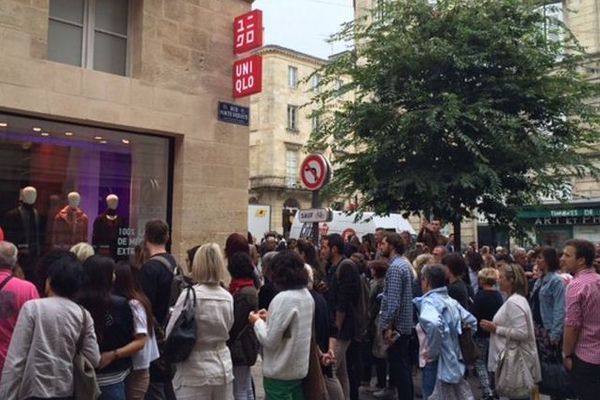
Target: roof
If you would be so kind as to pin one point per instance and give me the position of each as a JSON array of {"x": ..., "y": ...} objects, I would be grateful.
[{"x": 273, "y": 48}]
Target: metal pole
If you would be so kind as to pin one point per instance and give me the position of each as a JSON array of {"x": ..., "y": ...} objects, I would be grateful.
[{"x": 315, "y": 228}]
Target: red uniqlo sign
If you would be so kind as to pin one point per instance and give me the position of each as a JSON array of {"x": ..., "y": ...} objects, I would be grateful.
[
  {"x": 247, "y": 32},
  {"x": 247, "y": 76}
]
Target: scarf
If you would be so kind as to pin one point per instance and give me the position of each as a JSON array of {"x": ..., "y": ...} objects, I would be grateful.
[{"x": 238, "y": 284}]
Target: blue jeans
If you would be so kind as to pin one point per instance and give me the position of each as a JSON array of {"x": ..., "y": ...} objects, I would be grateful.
[
  {"x": 429, "y": 377},
  {"x": 113, "y": 392}
]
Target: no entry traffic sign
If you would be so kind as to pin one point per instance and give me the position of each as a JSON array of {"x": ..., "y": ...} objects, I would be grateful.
[{"x": 315, "y": 171}]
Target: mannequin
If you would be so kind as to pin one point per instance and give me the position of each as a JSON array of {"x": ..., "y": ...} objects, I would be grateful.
[
  {"x": 70, "y": 224},
  {"x": 22, "y": 227},
  {"x": 106, "y": 229}
]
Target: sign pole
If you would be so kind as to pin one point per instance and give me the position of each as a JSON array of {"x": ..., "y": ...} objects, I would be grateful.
[{"x": 315, "y": 226}]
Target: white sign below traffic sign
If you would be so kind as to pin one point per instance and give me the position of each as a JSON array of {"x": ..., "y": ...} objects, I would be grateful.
[{"x": 315, "y": 215}]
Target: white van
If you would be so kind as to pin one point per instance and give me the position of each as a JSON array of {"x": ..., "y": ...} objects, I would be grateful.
[{"x": 345, "y": 225}]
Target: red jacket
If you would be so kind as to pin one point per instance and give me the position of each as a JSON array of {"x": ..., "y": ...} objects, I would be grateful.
[{"x": 70, "y": 227}]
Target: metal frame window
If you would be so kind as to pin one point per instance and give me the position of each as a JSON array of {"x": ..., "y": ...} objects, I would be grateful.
[
  {"x": 292, "y": 77},
  {"x": 291, "y": 168},
  {"x": 91, "y": 34},
  {"x": 292, "y": 117}
]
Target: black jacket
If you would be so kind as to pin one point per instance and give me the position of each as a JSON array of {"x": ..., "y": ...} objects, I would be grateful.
[
  {"x": 343, "y": 281},
  {"x": 243, "y": 352}
]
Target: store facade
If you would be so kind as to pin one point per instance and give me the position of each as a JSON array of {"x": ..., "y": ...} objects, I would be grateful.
[{"x": 106, "y": 125}]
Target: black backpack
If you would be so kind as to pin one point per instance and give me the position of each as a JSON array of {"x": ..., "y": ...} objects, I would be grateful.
[
  {"x": 180, "y": 281},
  {"x": 181, "y": 340}
]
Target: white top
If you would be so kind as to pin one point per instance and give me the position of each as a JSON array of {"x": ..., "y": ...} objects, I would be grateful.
[
  {"x": 149, "y": 353},
  {"x": 514, "y": 319},
  {"x": 286, "y": 334},
  {"x": 210, "y": 360},
  {"x": 39, "y": 362}
]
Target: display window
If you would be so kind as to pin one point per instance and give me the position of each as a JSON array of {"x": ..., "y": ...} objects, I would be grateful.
[{"x": 62, "y": 184}]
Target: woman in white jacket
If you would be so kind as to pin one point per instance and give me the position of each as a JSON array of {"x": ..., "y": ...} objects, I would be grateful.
[
  {"x": 207, "y": 374},
  {"x": 513, "y": 321},
  {"x": 285, "y": 330}
]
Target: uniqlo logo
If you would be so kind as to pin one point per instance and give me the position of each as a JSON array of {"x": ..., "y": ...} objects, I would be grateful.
[
  {"x": 247, "y": 32},
  {"x": 247, "y": 76}
]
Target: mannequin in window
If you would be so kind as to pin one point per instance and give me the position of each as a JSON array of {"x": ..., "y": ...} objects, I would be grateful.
[
  {"x": 70, "y": 224},
  {"x": 22, "y": 227},
  {"x": 106, "y": 229}
]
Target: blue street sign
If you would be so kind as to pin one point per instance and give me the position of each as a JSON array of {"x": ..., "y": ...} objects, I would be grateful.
[{"x": 234, "y": 114}]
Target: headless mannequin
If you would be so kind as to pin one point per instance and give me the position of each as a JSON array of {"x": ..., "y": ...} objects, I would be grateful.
[
  {"x": 106, "y": 229},
  {"x": 22, "y": 227},
  {"x": 70, "y": 224}
]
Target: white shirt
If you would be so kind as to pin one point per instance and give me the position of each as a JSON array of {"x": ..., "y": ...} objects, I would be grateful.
[
  {"x": 286, "y": 334},
  {"x": 149, "y": 353}
]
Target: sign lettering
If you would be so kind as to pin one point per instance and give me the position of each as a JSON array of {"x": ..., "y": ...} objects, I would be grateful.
[
  {"x": 247, "y": 76},
  {"x": 248, "y": 32}
]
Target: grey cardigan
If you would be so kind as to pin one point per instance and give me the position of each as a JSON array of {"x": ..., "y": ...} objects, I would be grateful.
[{"x": 39, "y": 362}]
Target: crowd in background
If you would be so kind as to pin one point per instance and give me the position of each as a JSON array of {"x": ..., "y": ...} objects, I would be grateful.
[{"x": 329, "y": 320}]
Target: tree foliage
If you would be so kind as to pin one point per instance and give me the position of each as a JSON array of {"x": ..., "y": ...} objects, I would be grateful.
[{"x": 461, "y": 106}]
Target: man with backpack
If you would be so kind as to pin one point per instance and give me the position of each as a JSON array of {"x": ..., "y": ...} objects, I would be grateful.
[
  {"x": 156, "y": 280},
  {"x": 343, "y": 282}
]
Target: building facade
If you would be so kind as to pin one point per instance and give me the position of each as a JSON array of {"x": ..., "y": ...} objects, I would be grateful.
[
  {"x": 118, "y": 98},
  {"x": 280, "y": 127}
]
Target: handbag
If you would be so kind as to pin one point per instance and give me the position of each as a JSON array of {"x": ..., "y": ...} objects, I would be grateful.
[
  {"x": 513, "y": 374},
  {"x": 181, "y": 340},
  {"x": 244, "y": 348},
  {"x": 468, "y": 348},
  {"x": 313, "y": 385},
  {"x": 85, "y": 384}
]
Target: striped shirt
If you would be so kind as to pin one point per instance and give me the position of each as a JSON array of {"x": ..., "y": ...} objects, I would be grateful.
[
  {"x": 396, "y": 305},
  {"x": 583, "y": 303}
]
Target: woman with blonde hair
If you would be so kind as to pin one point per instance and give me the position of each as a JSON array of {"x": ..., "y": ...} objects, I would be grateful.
[
  {"x": 513, "y": 323},
  {"x": 83, "y": 251},
  {"x": 207, "y": 374}
]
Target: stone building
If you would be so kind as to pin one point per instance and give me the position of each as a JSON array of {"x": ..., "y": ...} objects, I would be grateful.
[
  {"x": 120, "y": 97},
  {"x": 279, "y": 129}
]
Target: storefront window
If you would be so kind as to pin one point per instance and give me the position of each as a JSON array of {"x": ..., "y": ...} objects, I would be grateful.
[{"x": 61, "y": 184}]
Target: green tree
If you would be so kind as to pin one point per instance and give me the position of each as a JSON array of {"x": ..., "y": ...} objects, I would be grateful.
[{"x": 459, "y": 107}]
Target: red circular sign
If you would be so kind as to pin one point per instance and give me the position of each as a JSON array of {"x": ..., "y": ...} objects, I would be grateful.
[{"x": 314, "y": 171}]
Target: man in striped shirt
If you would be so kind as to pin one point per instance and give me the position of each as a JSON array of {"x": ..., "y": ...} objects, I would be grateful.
[{"x": 581, "y": 342}]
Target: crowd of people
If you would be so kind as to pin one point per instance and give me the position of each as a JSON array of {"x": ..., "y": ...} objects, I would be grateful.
[{"x": 328, "y": 320}]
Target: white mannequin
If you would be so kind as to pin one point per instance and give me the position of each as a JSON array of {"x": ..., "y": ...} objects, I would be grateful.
[
  {"x": 74, "y": 199},
  {"x": 29, "y": 195},
  {"x": 112, "y": 202}
]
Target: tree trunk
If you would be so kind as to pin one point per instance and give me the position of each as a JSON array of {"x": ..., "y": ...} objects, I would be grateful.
[{"x": 457, "y": 238}]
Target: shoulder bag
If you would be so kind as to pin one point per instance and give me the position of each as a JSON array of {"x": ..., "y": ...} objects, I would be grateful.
[
  {"x": 468, "y": 348},
  {"x": 313, "y": 384},
  {"x": 181, "y": 340},
  {"x": 85, "y": 385},
  {"x": 513, "y": 369}
]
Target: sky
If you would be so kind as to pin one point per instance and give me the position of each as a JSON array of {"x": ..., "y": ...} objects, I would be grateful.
[{"x": 303, "y": 25}]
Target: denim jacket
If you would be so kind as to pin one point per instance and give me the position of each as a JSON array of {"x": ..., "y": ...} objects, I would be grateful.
[
  {"x": 442, "y": 319},
  {"x": 552, "y": 303}
]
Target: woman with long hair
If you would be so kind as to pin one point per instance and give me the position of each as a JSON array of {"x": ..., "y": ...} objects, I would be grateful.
[
  {"x": 207, "y": 373},
  {"x": 125, "y": 285},
  {"x": 309, "y": 254},
  {"x": 113, "y": 323}
]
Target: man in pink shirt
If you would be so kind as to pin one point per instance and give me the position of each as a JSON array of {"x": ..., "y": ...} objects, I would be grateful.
[
  {"x": 581, "y": 342},
  {"x": 14, "y": 292}
]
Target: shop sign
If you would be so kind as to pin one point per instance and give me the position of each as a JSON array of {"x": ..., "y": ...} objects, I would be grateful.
[
  {"x": 558, "y": 213},
  {"x": 542, "y": 221},
  {"x": 234, "y": 114},
  {"x": 247, "y": 76},
  {"x": 248, "y": 32}
]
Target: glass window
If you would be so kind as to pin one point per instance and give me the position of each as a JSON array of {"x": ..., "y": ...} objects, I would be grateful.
[
  {"x": 292, "y": 118},
  {"x": 61, "y": 184},
  {"x": 291, "y": 168},
  {"x": 316, "y": 83},
  {"x": 293, "y": 77},
  {"x": 89, "y": 33}
]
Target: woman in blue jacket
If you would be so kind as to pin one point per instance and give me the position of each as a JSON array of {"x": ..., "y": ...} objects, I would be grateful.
[
  {"x": 441, "y": 320},
  {"x": 548, "y": 305}
]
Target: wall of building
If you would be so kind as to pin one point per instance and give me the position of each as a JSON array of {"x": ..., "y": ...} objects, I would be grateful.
[{"x": 181, "y": 66}]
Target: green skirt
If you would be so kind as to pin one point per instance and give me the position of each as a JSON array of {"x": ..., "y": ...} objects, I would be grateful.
[{"x": 277, "y": 389}]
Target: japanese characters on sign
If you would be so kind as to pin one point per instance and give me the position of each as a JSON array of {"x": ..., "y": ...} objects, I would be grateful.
[{"x": 247, "y": 32}]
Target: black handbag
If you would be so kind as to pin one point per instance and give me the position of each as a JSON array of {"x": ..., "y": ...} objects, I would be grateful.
[
  {"x": 181, "y": 340},
  {"x": 556, "y": 381},
  {"x": 469, "y": 349}
]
